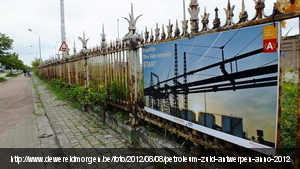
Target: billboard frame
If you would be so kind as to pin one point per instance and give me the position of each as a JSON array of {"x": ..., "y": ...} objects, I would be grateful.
[{"x": 227, "y": 137}]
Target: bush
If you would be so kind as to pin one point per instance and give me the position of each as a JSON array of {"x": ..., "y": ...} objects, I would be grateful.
[
  {"x": 59, "y": 87},
  {"x": 288, "y": 118},
  {"x": 2, "y": 79},
  {"x": 11, "y": 75},
  {"x": 94, "y": 95}
]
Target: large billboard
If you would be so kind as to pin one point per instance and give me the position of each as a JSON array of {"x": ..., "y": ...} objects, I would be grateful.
[{"x": 223, "y": 84}]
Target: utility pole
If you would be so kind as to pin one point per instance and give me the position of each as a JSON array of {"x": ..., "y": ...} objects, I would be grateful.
[
  {"x": 184, "y": 10},
  {"x": 63, "y": 47}
]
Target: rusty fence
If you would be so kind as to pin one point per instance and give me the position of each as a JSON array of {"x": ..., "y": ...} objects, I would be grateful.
[
  {"x": 101, "y": 68},
  {"x": 117, "y": 66}
]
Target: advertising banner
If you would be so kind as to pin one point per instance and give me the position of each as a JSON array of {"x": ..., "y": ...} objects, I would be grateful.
[{"x": 223, "y": 84}]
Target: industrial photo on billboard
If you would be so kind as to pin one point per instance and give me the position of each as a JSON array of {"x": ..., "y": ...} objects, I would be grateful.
[{"x": 226, "y": 83}]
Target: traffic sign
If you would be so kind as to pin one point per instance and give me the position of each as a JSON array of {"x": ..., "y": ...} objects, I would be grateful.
[{"x": 63, "y": 47}]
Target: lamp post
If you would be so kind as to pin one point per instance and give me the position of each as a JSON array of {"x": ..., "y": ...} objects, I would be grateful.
[
  {"x": 118, "y": 29},
  {"x": 39, "y": 43},
  {"x": 35, "y": 51}
]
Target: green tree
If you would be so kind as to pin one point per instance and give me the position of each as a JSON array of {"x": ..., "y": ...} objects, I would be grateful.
[
  {"x": 36, "y": 63},
  {"x": 27, "y": 67},
  {"x": 5, "y": 44},
  {"x": 11, "y": 61}
]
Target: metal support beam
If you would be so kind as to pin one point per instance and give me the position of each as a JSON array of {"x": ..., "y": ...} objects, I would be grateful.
[{"x": 175, "y": 81}]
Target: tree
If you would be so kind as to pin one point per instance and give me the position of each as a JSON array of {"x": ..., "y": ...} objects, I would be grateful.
[
  {"x": 11, "y": 61},
  {"x": 5, "y": 44},
  {"x": 36, "y": 63}
]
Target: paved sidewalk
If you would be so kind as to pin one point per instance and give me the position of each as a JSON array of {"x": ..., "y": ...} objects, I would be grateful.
[{"x": 76, "y": 130}]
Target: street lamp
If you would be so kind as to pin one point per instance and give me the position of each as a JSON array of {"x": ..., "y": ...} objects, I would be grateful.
[
  {"x": 39, "y": 43},
  {"x": 118, "y": 28},
  {"x": 35, "y": 51}
]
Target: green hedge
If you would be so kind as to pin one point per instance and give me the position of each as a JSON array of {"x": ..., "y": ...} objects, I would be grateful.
[{"x": 2, "y": 79}]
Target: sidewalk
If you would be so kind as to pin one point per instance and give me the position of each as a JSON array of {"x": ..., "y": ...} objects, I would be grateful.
[{"x": 76, "y": 130}]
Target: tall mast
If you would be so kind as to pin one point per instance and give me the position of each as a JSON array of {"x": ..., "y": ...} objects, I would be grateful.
[
  {"x": 184, "y": 10},
  {"x": 63, "y": 29}
]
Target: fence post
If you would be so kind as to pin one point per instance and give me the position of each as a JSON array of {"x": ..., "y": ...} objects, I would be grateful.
[
  {"x": 86, "y": 72},
  {"x": 59, "y": 69},
  {"x": 132, "y": 39},
  {"x": 133, "y": 81},
  {"x": 69, "y": 71},
  {"x": 84, "y": 51}
]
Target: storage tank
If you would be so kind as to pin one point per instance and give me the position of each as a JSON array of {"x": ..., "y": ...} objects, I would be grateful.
[
  {"x": 188, "y": 115},
  {"x": 237, "y": 124},
  {"x": 175, "y": 112},
  {"x": 184, "y": 114},
  {"x": 232, "y": 125},
  {"x": 208, "y": 120},
  {"x": 226, "y": 124}
]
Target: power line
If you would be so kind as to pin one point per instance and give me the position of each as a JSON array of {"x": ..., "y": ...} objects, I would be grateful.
[
  {"x": 268, "y": 63},
  {"x": 203, "y": 55},
  {"x": 249, "y": 44}
]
